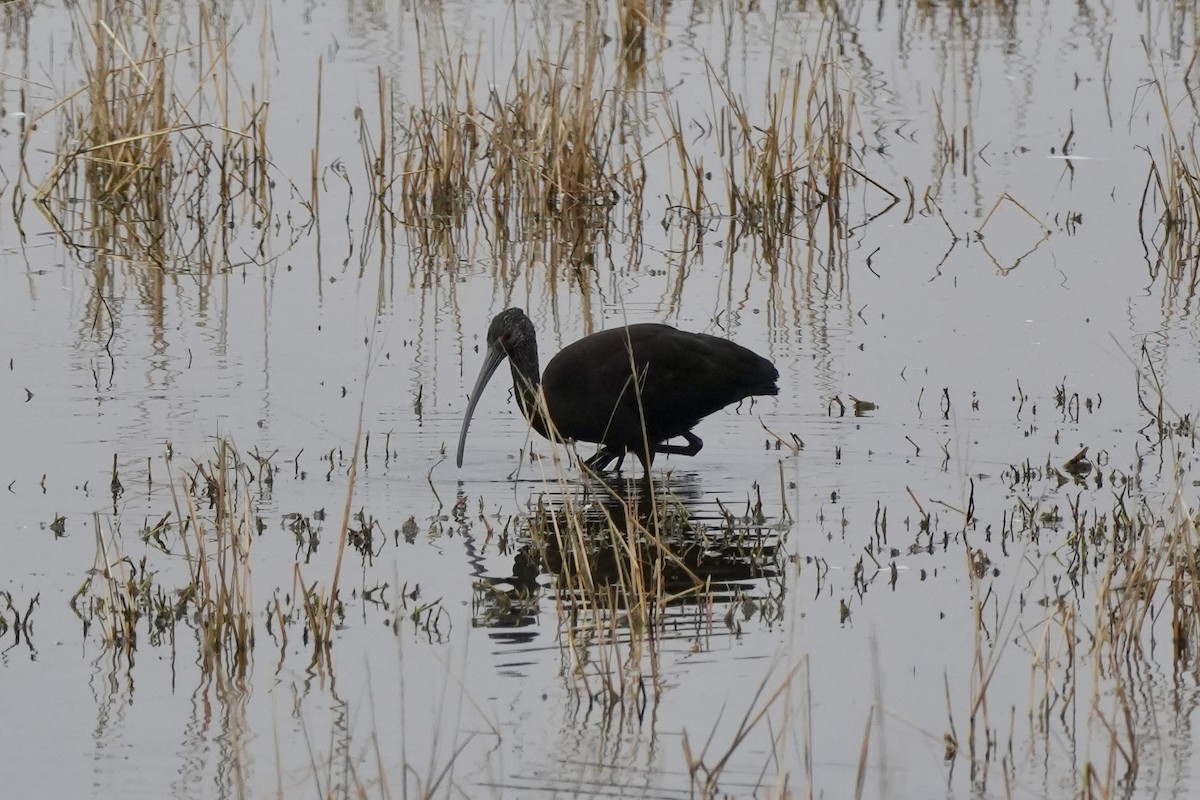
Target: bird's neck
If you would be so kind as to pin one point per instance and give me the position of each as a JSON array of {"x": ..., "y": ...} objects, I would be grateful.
[{"x": 526, "y": 382}]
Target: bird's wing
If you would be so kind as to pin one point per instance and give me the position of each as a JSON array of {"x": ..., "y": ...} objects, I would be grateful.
[{"x": 681, "y": 378}]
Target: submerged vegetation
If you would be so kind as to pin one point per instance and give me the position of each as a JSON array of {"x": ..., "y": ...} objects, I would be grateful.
[{"x": 1005, "y": 587}]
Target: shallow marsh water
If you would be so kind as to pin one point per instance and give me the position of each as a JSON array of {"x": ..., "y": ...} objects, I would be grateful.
[{"x": 999, "y": 315}]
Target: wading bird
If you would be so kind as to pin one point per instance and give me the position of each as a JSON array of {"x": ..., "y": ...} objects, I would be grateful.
[{"x": 594, "y": 394}]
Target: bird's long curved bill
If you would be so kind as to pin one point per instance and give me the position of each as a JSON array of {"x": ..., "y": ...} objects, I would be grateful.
[{"x": 495, "y": 355}]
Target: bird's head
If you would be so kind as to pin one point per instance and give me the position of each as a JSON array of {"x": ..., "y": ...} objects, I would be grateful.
[
  {"x": 511, "y": 332},
  {"x": 511, "y": 335}
]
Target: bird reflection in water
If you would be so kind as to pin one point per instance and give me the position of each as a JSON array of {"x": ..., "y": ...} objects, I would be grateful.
[{"x": 638, "y": 558}]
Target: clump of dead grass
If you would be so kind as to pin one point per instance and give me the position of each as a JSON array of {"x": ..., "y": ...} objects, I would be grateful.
[
  {"x": 213, "y": 526},
  {"x": 546, "y": 158},
  {"x": 195, "y": 570},
  {"x": 218, "y": 549},
  {"x": 531, "y": 159},
  {"x": 159, "y": 161},
  {"x": 789, "y": 163}
]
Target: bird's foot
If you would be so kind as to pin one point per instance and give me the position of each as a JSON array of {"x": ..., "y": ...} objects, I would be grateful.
[
  {"x": 599, "y": 462},
  {"x": 694, "y": 443}
]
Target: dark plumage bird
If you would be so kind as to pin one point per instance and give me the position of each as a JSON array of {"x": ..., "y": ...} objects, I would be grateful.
[{"x": 592, "y": 395}]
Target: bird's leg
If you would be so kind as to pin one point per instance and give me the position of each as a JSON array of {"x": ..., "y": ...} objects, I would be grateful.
[
  {"x": 690, "y": 449},
  {"x": 600, "y": 461},
  {"x": 646, "y": 483}
]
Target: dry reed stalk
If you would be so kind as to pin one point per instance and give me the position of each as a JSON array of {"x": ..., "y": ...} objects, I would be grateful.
[
  {"x": 117, "y": 606},
  {"x": 1169, "y": 213},
  {"x": 706, "y": 777}
]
